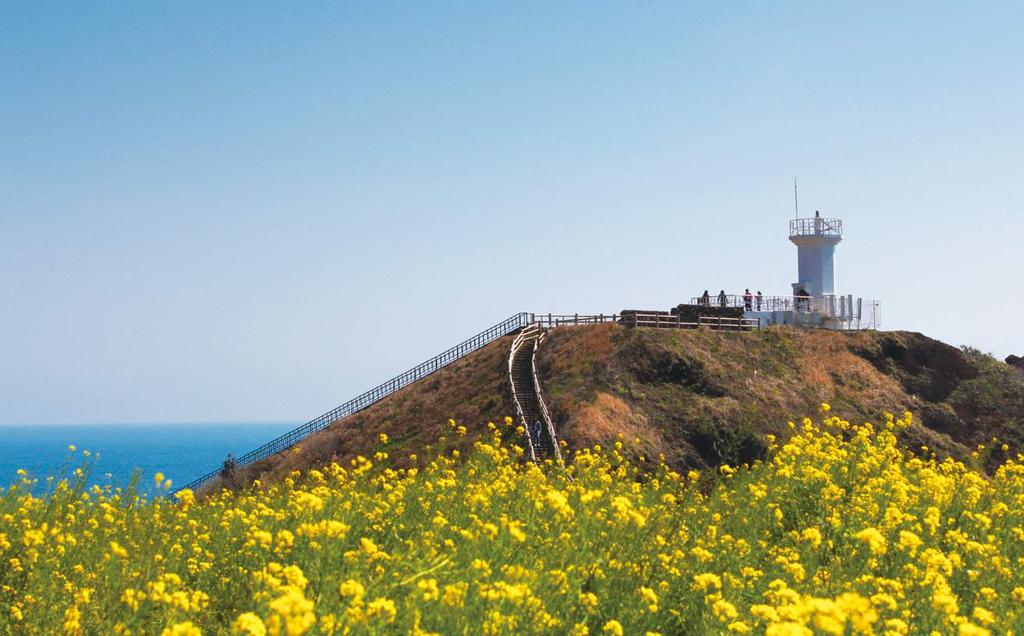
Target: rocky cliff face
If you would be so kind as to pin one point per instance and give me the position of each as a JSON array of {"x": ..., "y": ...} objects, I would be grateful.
[
  {"x": 697, "y": 397},
  {"x": 1016, "y": 362}
]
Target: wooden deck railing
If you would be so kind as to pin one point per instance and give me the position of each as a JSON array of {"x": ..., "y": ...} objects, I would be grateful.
[
  {"x": 666, "y": 320},
  {"x": 547, "y": 321}
]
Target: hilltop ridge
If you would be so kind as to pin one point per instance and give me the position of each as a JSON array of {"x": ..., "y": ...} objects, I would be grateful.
[{"x": 698, "y": 397}]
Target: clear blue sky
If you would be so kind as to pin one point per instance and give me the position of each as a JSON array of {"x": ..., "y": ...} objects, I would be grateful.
[{"x": 254, "y": 211}]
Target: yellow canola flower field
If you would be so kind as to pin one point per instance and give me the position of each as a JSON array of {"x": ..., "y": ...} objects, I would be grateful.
[{"x": 838, "y": 531}]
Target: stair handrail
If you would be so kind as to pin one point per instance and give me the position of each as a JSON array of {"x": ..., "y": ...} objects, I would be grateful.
[
  {"x": 540, "y": 399},
  {"x": 511, "y": 324}
]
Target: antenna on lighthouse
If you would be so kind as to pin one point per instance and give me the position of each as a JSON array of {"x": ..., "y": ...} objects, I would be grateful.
[{"x": 796, "y": 200}]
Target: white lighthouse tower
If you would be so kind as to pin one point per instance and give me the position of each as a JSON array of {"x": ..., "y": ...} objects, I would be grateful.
[
  {"x": 814, "y": 301},
  {"x": 815, "y": 239}
]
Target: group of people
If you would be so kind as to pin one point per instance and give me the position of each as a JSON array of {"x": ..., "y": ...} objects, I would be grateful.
[{"x": 749, "y": 300}]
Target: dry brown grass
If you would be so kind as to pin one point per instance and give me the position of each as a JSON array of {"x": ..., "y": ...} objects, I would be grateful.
[
  {"x": 610, "y": 417},
  {"x": 471, "y": 391}
]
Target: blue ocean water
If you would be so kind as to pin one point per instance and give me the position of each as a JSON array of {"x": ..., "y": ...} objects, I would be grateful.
[{"x": 182, "y": 452}]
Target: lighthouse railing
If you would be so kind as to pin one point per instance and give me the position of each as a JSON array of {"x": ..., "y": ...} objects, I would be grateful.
[
  {"x": 852, "y": 311},
  {"x": 816, "y": 226},
  {"x": 765, "y": 303},
  {"x": 770, "y": 303}
]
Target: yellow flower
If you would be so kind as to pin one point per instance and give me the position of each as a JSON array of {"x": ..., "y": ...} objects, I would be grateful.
[
  {"x": 185, "y": 497},
  {"x": 454, "y": 595},
  {"x": 368, "y": 546},
  {"x": 559, "y": 503},
  {"x": 787, "y": 629},
  {"x": 73, "y": 621},
  {"x": 430, "y": 590},
  {"x": 612, "y": 627},
  {"x": 516, "y": 530},
  {"x": 874, "y": 539},
  {"x": 724, "y": 610},
  {"x": 182, "y": 629},
  {"x": 132, "y": 598},
  {"x": 292, "y": 612},
  {"x": 650, "y": 598},
  {"x": 812, "y": 536},
  {"x": 983, "y": 616},
  {"x": 623, "y": 509},
  {"x": 908, "y": 541},
  {"x": 707, "y": 581},
  {"x": 284, "y": 540},
  {"x": 248, "y": 624},
  {"x": 383, "y": 609},
  {"x": 351, "y": 589},
  {"x": 588, "y": 600}
]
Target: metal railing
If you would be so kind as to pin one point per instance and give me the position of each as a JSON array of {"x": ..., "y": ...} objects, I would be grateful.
[
  {"x": 766, "y": 303},
  {"x": 816, "y": 226},
  {"x": 289, "y": 439},
  {"x": 851, "y": 312}
]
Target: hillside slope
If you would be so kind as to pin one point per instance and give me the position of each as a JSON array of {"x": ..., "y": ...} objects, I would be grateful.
[
  {"x": 698, "y": 397},
  {"x": 704, "y": 397}
]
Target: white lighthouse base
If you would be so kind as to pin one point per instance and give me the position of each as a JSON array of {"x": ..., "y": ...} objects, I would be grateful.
[{"x": 812, "y": 319}]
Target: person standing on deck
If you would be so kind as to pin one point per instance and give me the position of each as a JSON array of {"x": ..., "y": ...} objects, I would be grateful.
[
  {"x": 748, "y": 300},
  {"x": 759, "y": 299},
  {"x": 722, "y": 301}
]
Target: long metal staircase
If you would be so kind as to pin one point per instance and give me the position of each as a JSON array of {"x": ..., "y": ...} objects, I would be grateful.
[
  {"x": 508, "y": 326},
  {"x": 526, "y": 394},
  {"x": 530, "y": 408}
]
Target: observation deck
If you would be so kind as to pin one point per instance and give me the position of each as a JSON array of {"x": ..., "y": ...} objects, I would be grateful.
[{"x": 816, "y": 226}]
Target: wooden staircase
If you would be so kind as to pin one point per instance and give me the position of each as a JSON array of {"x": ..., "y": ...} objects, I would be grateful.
[{"x": 531, "y": 411}]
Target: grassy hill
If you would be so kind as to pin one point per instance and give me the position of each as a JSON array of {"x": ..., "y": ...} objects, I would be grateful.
[{"x": 699, "y": 398}]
